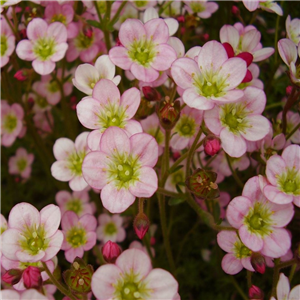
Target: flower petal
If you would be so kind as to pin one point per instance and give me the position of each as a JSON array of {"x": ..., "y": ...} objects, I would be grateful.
[
  {"x": 36, "y": 29},
  {"x": 50, "y": 219},
  {"x": 131, "y": 100},
  {"x": 157, "y": 31},
  {"x": 43, "y": 67},
  {"x": 131, "y": 30},
  {"x": 251, "y": 239},
  {"x": 106, "y": 92},
  {"x": 164, "y": 57},
  {"x": 231, "y": 265},
  {"x": 60, "y": 171},
  {"x": 234, "y": 145}
]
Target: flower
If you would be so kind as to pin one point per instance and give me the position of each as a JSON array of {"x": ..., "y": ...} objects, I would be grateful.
[
  {"x": 108, "y": 108},
  {"x": 283, "y": 289},
  {"x": 293, "y": 29},
  {"x": 32, "y": 236},
  {"x": 211, "y": 79},
  {"x": 79, "y": 234},
  {"x": 46, "y": 45},
  {"x": 69, "y": 157},
  {"x": 28, "y": 294},
  {"x": 123, "y": 168},
  {"x": 11, "y": 122},
  {"x": 20, "y": 164},
  {"x": 7, "y": 42},
  {"x": 259, "y": 221},
  {"x": 132, "y": 277},
  {"x": 283, "y": 174},
  {"x": 141, "y": 225},
  {"x": 202, "y": 8},
  {"x": 110, "y": 228},
  {"x": 267, "y": 5},
  {"x": 144, "y": 49}
]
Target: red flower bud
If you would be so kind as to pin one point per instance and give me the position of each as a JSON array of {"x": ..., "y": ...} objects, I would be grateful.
[
  {"x": 111, "y": 251},
  {"x": 32, "y": 277},
  {"x": 258, "y": 262},
  {"x": 180, "y": 19},
  {"x": 212, "y": 145},
  {"x": 152, "y": 241},
  {"x": 12, "y": 276},
  {"x": 141, "y": 225},
  {"x": 151, "y": 94},
  {"x": 235, "y": 10},
  {"x": 255, "y": 293},
  {"x": 288, "y": 89},
  {"x": 205, "y": 36},
  {"x": 22, "y": 74}
]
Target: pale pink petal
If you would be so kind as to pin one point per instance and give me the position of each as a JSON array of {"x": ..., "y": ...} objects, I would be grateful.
[
  {"x": 60, "y": 170},
  {"x": 10, "y": 243},
  {"x": 277, "y": 243},
  {"x": 132, "y": 127},
  {"x": 295, "y": 293},
  {"x": 131, "y": 30},
  {"x": 226, "y": 240},
  {"x": 81, "y": 142},
  {"x": 104, "y": 219},
  {"x": 145, "y": 147},
  {"x": 87, "y": 112},
  {"x": 230, "y": 96},
  {"x": 144, "y": 74},
  {"x": 177, "y": 45},
  {"x": 130, "y": 100},
  {"x": 164, "y": 57},
  {"x": 119, "y": 56},
  {"x": 231, "y": 265},
  {"x": 246, "y": 263},
  {"x": 287, "y": 51},
  {"x": 276, "y": 166},
  {"x": 43, "y": 67},
  {"x": 234, "y": 145},
  {"x": 9, "y": 295},
  {"x": 259, "y": 127},
  {"x": 50, "y": 219},
  {"x": 178, "y": 142},
  {"x": 58, "y": 31},
  {"x": 212, "y": 120},
  {"x": 85, "y": 74},
  {"x": 93, "y": 140},
  {"x": 24, "y": 256},
  {"x": 157, "y": 30},
  {"x": 121, "y": 235},
  {"x": 262, "y": 54},
  {"x": 229, "y": 34},
  {"x": 105, "y": 67},
  {"x": 252, "y": 189},
  {"x": 72, "y": 253},
  {"x": 91, "y": 241},
  {"x": 172, "y": 25},
  {"x": 25, "y": 50},
  {"x": 256, "y": 100},
  {"x": 63, "y": 148},
  {"x": 89, "y": 54},
  {"x": 135, "y": 261},
  {"x": 60, "y": 52},
  {"x": 78, "y": 183},
  {"x": 36, "y": 29},
  {"x": 146, "y": 185},
  {"x": 251, "y": 239},
  {"x": 54, "y": 245},
  {"x": 194, "y": 100},
  {"x": 276, "y": 196},
  {"x": 106, "y": 92},
  {"x": 33, "y": 295},
  {"x": 103, "y": 281},
  {"x": 88, "y": 222},
  {"x": 291, "y": 156},
  {"x": 250, "y": 40},
  {"x": 282, "y": 214},
  {"x": 69, "y": 220}
]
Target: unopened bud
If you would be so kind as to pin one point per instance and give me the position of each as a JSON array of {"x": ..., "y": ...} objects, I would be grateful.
[
  {"x": 288, "y": 89},
  {"x": 151, "y": 94},
  {"x": 229, "y": 50},
  {"x": 141, "y": 225},
  {"x": 258, "y": 262},
  {"x": 235, "y": 10},
  {"x": 12, "y": 276},
  {"x": 212, "y": 145},
  {"x": 145, "y": 109},
  {"x": 169, "y": 114},
  {"x": 22, "y": 74},
  {"x": 180, "y": 19},
  {"x": 255, "y": 293},
  {"x": 88, "y": 32},
  {"x": 32, "y": 277},
  {"x": 111, "y": 251}
]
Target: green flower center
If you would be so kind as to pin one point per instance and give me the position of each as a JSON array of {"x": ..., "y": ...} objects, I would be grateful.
[
  {"x": 110, "y": 228},
  {"x": 259, "y": 219},
  {"x": 33, "y": 240},
  {"x": 74, "y": 205},
  {"x": 142, "y": 52},
  {"x": 76, "y": 237},
  {"x": 41, "y": 102},
  {"x": 125, "y": 172},
  {"x": 197, "y": 7},
  {"x": 44, "y": 48},
  {"x": 10, "y": 123},
  {"x": 240, "y": 250},
  {"x": 140, "y": 3},
  {"x": 83, "y": 41},
  {"x": 185, "y": 126},
  {"x": 4, "y": 45},
  {"x": 22, "y": 164},
  {"x": 75, "y": 162},
  {"x": 289, "y": 182},
  {"x": 59, "y": 18},
  {"x": 53, "y": 87}
]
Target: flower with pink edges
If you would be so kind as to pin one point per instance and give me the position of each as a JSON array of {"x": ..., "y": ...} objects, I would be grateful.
[
  {"x": 11, "y": 122},
  {"x": 260, "y": 222},
  {"x": 69, "y": 157},
  {"x": 79, "y": 234},
  {"x": 32, "y": 236},
  {"x": 20, "y": 164},
  {"x": 45, "y": 46},
  {"x": 144, "y": 50},
  {"x": 108, "y": 108},
  {"x": 87, "y": 75},
  {"x": 139, "y": 245},
  {"x": 267, "y": 5},
  {"x": 283, "y": 290},
  {"x": 211, "y": 79},
  {"x": 237, "y": 123},
  {"x": 132, "y": 277},
  {"x": 204, "y": 9},
  {"x": 245, "y": 39},
  {"x": 78, "y": 202},
  {"x": 293, "y": 29},
  {"x": 110, "y": 228},
  {"x": 123, "y": 168},
  {"x": 283, "y": 174},
  {"x": 7, "y": 42},
  {"x": 238, "y": 256},
  {"x": 28, "y": 294}
]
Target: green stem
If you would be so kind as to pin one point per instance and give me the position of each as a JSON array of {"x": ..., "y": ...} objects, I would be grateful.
[
  {"x": 249, "y": 280},
  {"x": 11, "y": 27},
  {"x": 99, "y": 255},
  {"x": 293, "y": 269},
  {"x": 244, "y": 296},
  {"x": 273, "y": 105},
  {"x": 146, "y": 242},
  {"x": 98, "y": 12},
  {"x": 59, "y": 286},
  {"x": 234, "y": 174},
  {"x": 169, "y": 193},
  {"x": 166, "y": 156},
  {"x": 288, "y": 105},
  {"x": 293, "y": 131},
  {"x": 275, "y": 277},
  {"x": 116, "y": 16},
  {"x": 141, "y": 205}
]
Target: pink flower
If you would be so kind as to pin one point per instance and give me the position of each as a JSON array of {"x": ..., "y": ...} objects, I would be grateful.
[
  {"x": 7, "y": 42},
  {"x": 32, "y": 277},
  {"x": 204, "y": 9},
  {"x": 237, "y": 123},
  {"x": 123, "y": 168},
  {"x": 32, "y": 235},
  {"x": 144, "y": 49},
  {"x": 292, "y": 120},
  {"x": 283, "y": 174},
  {"x": 283, "y": 289},
  {"x": 132, "y": 277},
  {"x": 211, "y": 79},
  {"x": 267, "y": 5},
  {"x": 79, "y": 234},
  {"x": 78, "y": 202},
  {"x": 259, "y": 221},
  {"x": 108, "y": 108},
  {"x": 69, "y": 157},
  {"x": 11, "y": 122},
  {"x": 21, "y": 163},
  {"x": 293, "y": 29},
  {"x": 28, "y": 294},
  {"x": 46, "y": 45},
  {"x": 110, "y": 228}
]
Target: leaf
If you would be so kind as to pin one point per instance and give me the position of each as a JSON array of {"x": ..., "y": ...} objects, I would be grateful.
[
  {"x": 175, "y": 201},
  {"x": 176, "y": 169},
  {"x": 94, "y": 24}
]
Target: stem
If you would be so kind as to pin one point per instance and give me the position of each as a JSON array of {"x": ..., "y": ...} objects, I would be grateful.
[
  {"x": 16, "y": 33},
  {"x": 141, "y": 205},
  {"x": 98, "y": 12},
  {"x": 244, "y": 296},
  {"x": 293, "y": 131},
  {"x": 59, "y": 286},
  {"x": 166, "y": 156},
  {"x": 249, "y": 281},
  {"x": 293, "y": 269},
  {"x": 169, "y": 193},
  {"x": 289, "y": 103},
  {"x": 99, "y": 255},
  {"x": 147, "y": 244},
  {"x": 273, "y": 105},
  {"x": 275, "y": 277},
  {"x": 235, "y": 176},
  {"x": 115, "y": 18}
]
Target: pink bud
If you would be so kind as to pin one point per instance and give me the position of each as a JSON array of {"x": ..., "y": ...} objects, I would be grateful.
[
  {"x": 152, "y": 241},
  {"x": 21, "y": 75},
  {"x": 141, "y": 225},
  {"x": 180, "y": 19},
  {"x": 229, "y": 49},
  {"x": 110, "y": 251},
  {"x": 12, "y": 276},
  {"x": 258, "y": 262},
  {"x": 255, "y": 293},
  {"x": 212, "y": 145},
  {"x": 88, "y": 32},
  {"x": 151, "y": 94},
  {"x": 206, "y": 36},
  {"x": 32, "y": 277},
  {"x": 288, "y": 89},
  {"x": 235, "y": 10}
]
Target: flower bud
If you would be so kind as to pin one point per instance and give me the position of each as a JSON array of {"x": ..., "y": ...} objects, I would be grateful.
[
  {"x": 79, "y": 276},
  {"x": 111, "y": 251},
  {"x": 229, "y": 50},
  {"x": 202, "y": 184},
  {"x": 151, "y": 94},
  {"x": 212, "y": 145},
  {"x": 180, "y": 19},
  {"x": 255, "y": 293},
  {"x": 12, "y": 276},
  {"x": 235, "y": 10},
  {"x": 288, "y": 89},
  {"x": 258, "y": 262},
  {"x": 22, "y": 74},
  {"x": 32, "y": 277},
  {"x": 169, "y": 114},
  {"x": 141, "y": 225},
  {"x": 145, "y": 109}
]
